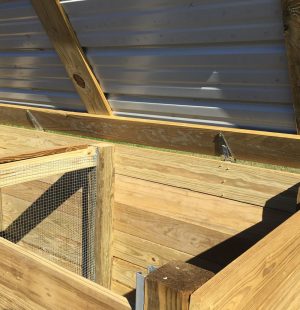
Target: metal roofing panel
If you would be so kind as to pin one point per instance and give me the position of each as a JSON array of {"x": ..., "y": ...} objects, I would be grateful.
[
  {"x": 202, "y": 61},
  {"x": 30, "y": 70}
]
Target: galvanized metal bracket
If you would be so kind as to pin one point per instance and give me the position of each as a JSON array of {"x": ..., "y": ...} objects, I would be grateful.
[
  {"x": 35, "y": 123},
  {"x": 227, "y": 154},
  {"x": 140, "y": 288}
]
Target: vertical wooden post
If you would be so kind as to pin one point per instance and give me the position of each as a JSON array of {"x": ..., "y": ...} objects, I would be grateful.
[
  {"x": 170, "y": 287},
  {"x": 291, "y": 21},
  {"x": 104, "y": 214}
]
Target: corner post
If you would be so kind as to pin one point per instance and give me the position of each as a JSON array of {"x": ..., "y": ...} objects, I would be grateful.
[
  {"x": 170, "y": 287},
  {"x": 104, "y": 214}
]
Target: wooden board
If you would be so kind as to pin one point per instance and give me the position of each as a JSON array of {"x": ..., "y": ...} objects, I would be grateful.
[
  {"x": 265, "y": 147},
  {"x": 291, "y": 21},
  {"x": 253, "y": 185},
  {"x": 20, "y": 143},
  {"x": 265, "y": 277},
  {"x": 30, "y": 282},
  {"x": 67, "y": 46},
  {"x": 33, "y": 169}
]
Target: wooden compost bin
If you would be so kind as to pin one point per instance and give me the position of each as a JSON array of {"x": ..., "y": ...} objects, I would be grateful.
[{"x": 167, "y": 207}]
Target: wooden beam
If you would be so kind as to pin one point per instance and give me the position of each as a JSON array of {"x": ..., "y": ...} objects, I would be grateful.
[
  {"x": 171, "y": 286},
  {"x": 291, "y": 21},
  {"x": 267, "y": 276},
  {"x": 66, "y": 44},
  {"x": 35, "y": 154},
  {"x": 30, "y": 282},
  {"x": 260, "y": 146},
  {"x": 104, "y": 214},
  {"x": 37, "y": 168}
]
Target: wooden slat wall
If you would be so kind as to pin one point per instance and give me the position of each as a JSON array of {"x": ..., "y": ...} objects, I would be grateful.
[
  {"x": 30, "y": 282},
  {"x": 170, "y": 206},
  {"x": 268, "y": 275}
]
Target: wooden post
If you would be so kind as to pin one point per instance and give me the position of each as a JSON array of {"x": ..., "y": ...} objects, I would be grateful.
[
  {"x": 104, "y": 214},
  {"x": 291, "y": 21},
  {"x": 170, "y": 287}
]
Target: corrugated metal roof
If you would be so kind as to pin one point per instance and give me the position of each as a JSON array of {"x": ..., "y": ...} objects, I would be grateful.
[
  {"x": 30, "y": 70},
  {"x": 205, "y": 61},
  {"x": 219, "y": 62}
]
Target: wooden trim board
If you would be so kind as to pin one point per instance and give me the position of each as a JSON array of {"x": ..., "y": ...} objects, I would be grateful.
[
  {"x": 264, "y": 147},
  {"x": 33, "y": 169},
  {"x": 28, "y": 281},
  {"x": 267, "y": 276},
  {"x": 67, "y": 46},
  {"x": 291, "y": 21},
  {"x": 48, "y": 152}
]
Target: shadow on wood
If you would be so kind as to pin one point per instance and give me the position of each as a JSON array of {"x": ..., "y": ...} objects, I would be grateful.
[{"x": 235, "y": 246}]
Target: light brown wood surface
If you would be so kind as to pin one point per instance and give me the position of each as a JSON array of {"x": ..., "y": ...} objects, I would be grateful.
[
  {"x": 253, "y": 185},
  {"x": 20, "y": 143},
  {"x": 265, "y": 277},
  {"x": 291, "y": 22},
  {"x": 265, "y": 147},
  {"x": 30, "y": 282},
  {"x": 104, "y": 214},
  {"x": 36, "y": 168},
  {"x": 67, "y": 46},
  {"x": 170, "y": 286}
]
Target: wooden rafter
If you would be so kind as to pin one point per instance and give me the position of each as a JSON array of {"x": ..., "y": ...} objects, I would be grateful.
[
  {"x": 265, "y": 147},
  {"x": 66, "y": 44},
  {"x": 291, "y": 21}
]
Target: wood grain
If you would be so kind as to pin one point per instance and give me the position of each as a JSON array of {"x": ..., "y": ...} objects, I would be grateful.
[
  {"x": 253, "y": 185},
  {"x": 264, "y": 147},
  {"x": 170, "y": 286},
  {"x": 36, "y": 168},
  {"x": 104, "y": 214},
  {"x": 67, "y": 46},
  {"x": 291, "y": 21},
  {"x": 266, "y": 277},
  {"x": 49, "y": 286}
]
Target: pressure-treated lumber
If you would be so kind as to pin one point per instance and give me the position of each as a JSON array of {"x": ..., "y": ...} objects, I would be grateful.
[
  {"x": 20, "y": 143},
  {"x": 30, "y": 282},
  {"x": 291, "y": 21},
  {"x": 66, "y": 44},
  {"x": 258, "y": 186},
  {"x": 266, "y": 277},
  {"x": 33, "y": 169},
  {"x": 104, "y": 214},
  {"x": 266, "y": 147},
  {"x": 171, "y": 286}
]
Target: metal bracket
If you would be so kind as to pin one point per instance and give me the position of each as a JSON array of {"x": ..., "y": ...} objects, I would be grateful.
[
  {"x": 140, "y": 288},
  {"x": 227, "y": 153},
  {"x": 34, "y": 121}
]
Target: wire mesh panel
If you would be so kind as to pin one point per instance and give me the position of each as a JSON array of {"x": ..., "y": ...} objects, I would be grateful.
[{"x": 54, "y": 216}]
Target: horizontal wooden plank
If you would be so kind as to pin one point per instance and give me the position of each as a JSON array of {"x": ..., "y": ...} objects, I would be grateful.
[
  {"x": 212, "y": 213},
  {"x": 125, "y": 272},
  {"x": 265, "y": 147},
  {"x": 49, "y": 286},
  {"x": 144, "y": 253},
  {"x": 258, "y": 186},
  {"x": 268, "y": 275},
  {"x": 17, "y": 142},
  {"x": 120, "y": 289},
  {"x": 33, "y": 169},
  {"x": 35, "y": 154}
]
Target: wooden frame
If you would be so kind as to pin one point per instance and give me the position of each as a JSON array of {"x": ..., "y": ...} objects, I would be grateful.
[
  {"x": 258, "y": 279},
  {"x": 264, "y": 147},
  {"x": 100, "y": 156},
  {"x": 67, "y": 46},
  {"x": 35, "y": 283}
]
